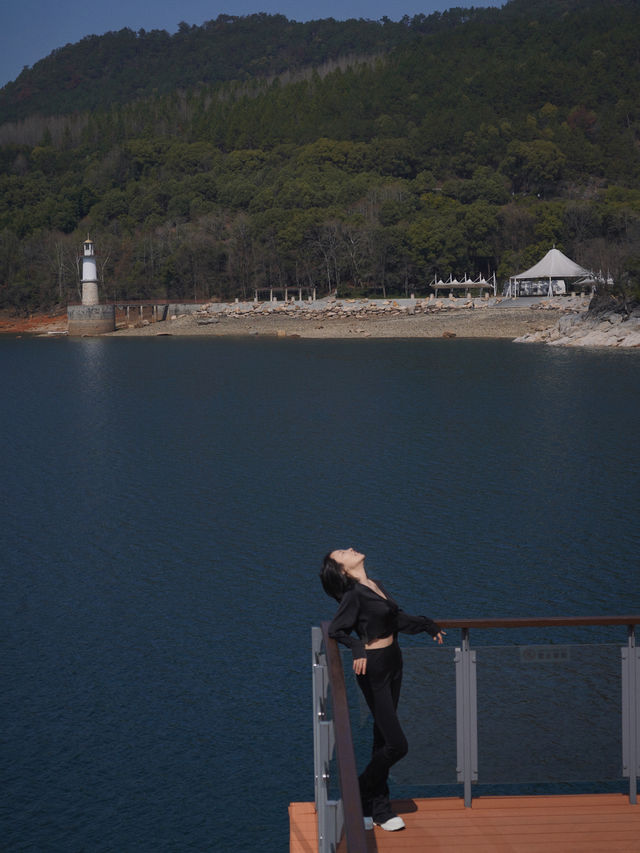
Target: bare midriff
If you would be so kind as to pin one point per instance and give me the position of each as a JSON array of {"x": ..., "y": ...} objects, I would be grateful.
[{"x": 380, "y": 643}]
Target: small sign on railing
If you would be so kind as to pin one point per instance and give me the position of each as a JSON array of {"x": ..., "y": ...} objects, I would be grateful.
[{"x": 545, "y": 654}]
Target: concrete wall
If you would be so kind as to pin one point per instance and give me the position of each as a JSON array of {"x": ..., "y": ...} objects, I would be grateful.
[
  {"x": 91, "y": 319},
  {"x": 175, "y": 309}
]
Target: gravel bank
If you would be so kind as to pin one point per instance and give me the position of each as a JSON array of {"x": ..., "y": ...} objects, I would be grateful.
[{"x": 485, "y": 322}]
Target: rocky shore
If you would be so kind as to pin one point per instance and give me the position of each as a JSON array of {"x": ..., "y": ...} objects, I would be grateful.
[
  {"x": 595, "y": 326},
  {"x": 562, "y": 321}
]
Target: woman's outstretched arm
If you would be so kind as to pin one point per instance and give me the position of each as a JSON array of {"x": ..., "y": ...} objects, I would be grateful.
[{"x": 408, "y": 624}]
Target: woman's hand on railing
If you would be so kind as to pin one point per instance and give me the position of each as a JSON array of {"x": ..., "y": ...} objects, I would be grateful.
[
  {"x": 439, "y": 637},
  {"x": 360, "y": 666}
]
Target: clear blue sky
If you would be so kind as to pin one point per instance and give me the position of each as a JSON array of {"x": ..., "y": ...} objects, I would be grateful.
[{"x": 31, "y": 29}]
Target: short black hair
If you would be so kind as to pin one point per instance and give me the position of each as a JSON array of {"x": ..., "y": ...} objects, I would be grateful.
[{"x": 335, "y": 581}]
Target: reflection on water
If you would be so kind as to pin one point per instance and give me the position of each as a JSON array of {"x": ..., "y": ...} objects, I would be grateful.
[{"x": 167, "y": 505}]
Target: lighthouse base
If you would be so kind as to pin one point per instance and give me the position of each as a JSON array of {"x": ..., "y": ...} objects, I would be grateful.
[
  {"x": 91, "y": 319},
  {"x": 90, "y": 293}
]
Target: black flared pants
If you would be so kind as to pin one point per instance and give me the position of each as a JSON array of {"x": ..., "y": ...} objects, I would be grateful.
[{"x": 381, "y": 688}]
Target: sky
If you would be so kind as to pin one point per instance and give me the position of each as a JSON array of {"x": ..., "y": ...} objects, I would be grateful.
[{"x": 31, "y": 29}]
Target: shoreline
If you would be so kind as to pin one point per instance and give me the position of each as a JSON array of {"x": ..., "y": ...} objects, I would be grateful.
[
  {"x": 555, "y": 322},
  {"x": 506, "y": 323},
  {"x": 34, "y": 324},
  {"x": 338, "y": 319},
  {"x": 327, "y": 319}
]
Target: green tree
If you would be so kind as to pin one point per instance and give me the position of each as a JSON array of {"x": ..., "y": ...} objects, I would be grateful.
[{"x": 534, "y": 167}]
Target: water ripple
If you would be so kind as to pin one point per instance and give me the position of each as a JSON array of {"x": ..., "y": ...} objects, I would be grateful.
[{"x": 167, "y": 504}]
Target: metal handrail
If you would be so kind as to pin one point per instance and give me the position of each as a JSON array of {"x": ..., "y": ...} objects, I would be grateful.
[
  {"x": 539, "y": 621},
  {"x": 345, "y": 755}
]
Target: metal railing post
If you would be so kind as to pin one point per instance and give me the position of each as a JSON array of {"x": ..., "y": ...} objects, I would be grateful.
[
  {"x": 329, "y": 823},
  {"x": 631, "y": 714},
  {"x": 466, "y": 716},
  {"x": 329, "y": 812},
  {"x": 319, "y": 685}
]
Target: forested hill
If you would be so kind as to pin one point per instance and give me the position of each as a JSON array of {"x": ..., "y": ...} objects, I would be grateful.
[
  {"x": 465, "y": 142},
  {"x": 121, "y": 66}
]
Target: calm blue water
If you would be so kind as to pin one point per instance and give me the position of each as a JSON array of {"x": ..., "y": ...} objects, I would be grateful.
[{"x": 166, "y": 506}]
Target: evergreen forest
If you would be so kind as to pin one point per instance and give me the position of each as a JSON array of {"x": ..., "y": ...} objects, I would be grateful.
[{"x": 358, "y": 157}]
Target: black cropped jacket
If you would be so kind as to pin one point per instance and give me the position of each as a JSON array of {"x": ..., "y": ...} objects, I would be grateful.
[{"x": 373, "y": 617}]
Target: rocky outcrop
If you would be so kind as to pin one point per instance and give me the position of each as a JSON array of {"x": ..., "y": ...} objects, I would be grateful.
[{"x": 595, "y": 327}]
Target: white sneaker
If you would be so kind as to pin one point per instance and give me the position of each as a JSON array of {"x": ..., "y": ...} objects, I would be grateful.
[
  {"x": 393, "y": 824},
  {"x": 368, "y": 823}
]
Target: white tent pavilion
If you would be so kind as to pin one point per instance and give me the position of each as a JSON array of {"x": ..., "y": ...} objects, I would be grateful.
[
  {"x": 548, "y": 275},
  {"x": 466, "y": 285}
]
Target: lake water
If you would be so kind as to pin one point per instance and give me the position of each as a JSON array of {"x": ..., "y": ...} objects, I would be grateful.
[{"x": 167, "y": 503}]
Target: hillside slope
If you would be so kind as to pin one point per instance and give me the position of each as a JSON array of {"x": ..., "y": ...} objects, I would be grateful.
[
  {"x": 473, "y": 144},
  {"x": 122, "y": 66}
]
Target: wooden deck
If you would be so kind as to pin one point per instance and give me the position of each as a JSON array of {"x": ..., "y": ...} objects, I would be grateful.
[{"x": 593, "y": 823}]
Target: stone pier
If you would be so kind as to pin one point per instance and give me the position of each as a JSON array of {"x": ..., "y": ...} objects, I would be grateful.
[{"x": 91, "y": 319}]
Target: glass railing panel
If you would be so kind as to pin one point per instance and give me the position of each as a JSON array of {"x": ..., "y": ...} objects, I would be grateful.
[
  {"x": 427, "y": 712},
  {"x": 549, "y": 713},
  {"x": 546, "y": 714}
]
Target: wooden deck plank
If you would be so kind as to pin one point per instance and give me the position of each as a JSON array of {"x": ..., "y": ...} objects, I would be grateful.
[{"x": 592, "y": 823}]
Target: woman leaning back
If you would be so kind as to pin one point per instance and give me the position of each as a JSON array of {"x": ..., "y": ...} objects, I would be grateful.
[{"x": 367, "y": 609}]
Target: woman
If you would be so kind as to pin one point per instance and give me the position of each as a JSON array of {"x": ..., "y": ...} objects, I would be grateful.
[{"x": 368, "y": 609}]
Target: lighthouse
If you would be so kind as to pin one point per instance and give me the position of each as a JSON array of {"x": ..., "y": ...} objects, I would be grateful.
[
  {"x": 89, "y": 273},
  {"x": 90, "y": 318}
]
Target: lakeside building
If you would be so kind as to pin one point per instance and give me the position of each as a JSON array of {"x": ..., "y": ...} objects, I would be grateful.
[{"x": 550, "y": 277}]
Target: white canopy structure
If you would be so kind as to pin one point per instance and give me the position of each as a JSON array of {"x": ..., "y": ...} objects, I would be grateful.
[
  {"x": 548, "y": 276},
  {"x": 467, "y": 284}
]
